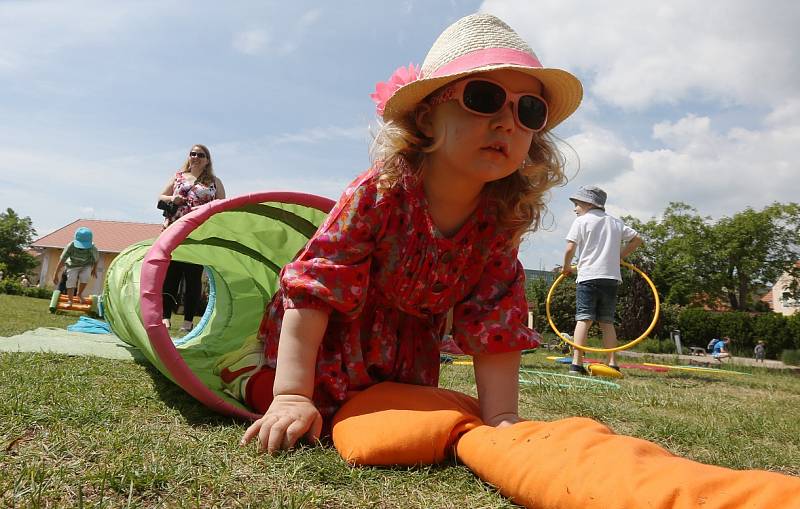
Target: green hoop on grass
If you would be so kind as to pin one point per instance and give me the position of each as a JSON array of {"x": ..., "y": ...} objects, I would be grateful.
[{"x": 540, "y": 378}]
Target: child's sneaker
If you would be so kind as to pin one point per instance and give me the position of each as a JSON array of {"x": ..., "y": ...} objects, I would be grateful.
[
  {"x": 235, "y": 368},
  {"x": 577, "y": 368}
]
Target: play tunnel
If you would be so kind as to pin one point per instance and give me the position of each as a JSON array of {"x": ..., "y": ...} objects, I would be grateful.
[{"x": 243, "y": 243}]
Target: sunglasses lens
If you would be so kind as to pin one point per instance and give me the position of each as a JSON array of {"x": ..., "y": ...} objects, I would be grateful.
[
  {"x": 532, "y": 112},
  {"x": 197, "y": 154},
  {"x": 484, "y": 97}
]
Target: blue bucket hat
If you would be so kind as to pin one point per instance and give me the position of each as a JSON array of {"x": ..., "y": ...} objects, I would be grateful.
[
  {"x": 83, "y": 238},
  {"x": 592, "y": 195}
]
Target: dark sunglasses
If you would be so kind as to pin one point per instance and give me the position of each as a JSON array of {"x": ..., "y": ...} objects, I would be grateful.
[
  {"x": 197, "y": 154},
  {"x": 486, "y": 97}
]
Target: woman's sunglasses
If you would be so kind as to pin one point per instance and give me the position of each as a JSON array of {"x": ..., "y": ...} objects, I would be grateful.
[
  {"x": 197, "y": 154},
  {"x": 486, "y": 97}
]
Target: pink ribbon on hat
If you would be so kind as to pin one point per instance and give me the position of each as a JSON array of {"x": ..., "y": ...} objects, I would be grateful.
[
  {"x": 402, "y": 76},
  {"x": 488, "y": 56}
]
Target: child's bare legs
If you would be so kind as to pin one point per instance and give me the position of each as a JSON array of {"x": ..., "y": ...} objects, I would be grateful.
[
  {"x": 609, "y": 340},
  {"x": 81, "y": 288},
  {"x": 70, "y": 295},
  {"x": 581, "y": 333}
]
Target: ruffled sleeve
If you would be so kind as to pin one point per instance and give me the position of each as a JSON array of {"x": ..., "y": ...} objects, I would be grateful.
[
  {"x": 332, "y": 272},
  {"x": 494, "y": 316}
]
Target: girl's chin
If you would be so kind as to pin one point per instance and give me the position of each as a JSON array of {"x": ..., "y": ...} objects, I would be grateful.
[{"x": 487, "y": 177}]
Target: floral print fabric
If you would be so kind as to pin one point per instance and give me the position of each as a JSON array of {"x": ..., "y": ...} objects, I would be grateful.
[
  {"x": 194, "y": 194},
  {"x": 388, "y": 277}
]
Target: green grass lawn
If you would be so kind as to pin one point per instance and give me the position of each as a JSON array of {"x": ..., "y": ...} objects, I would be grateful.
[
  {"x": 96, "y": 432},
  {"x": 18, "y": 314}
]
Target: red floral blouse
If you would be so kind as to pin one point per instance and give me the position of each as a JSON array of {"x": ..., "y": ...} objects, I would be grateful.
[{"x": 387, "y": 277}]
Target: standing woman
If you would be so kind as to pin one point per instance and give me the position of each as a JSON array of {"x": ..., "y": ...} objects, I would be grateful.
[{"x": 193, "y": 185}]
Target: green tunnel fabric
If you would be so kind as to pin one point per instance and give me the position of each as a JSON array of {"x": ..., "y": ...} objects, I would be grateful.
[{"x": 243, "y": 243}]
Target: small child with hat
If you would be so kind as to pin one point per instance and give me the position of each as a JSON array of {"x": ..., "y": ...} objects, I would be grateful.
[
  {"x": 597, "y": 237},
  {"x": 80, "y": 258}
]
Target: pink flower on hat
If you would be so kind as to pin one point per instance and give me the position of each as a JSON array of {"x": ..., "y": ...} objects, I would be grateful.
[{"x": 384, "y": 90}]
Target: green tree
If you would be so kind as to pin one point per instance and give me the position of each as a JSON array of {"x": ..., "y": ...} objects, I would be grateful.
[
  {"x": 677, "y": 251},
  {"x": 696, "y": 259},
  {"x": 16, "y": 233},
  {"x": 756, "y": 248},
  {"x": 635, "y": 302},
  {"x": 536, "y": 293}
]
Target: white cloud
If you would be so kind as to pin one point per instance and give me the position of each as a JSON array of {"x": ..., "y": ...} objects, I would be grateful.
[
  {"x": 283, "y": 40},
  {"x": 596, "y": 154},
  {"x": 250, "y": 42},
  {"x": 645, "y": 53},
  {"x": 310, "y": 18},
  {"x": 785, "y": 114},
  {"x": 317, "y": 134},
  {"x": 718, "y": 172}
]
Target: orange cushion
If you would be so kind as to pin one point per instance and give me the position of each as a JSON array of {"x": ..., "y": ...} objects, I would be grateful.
[
  {"x": 580, "y": 463},
  {"x": 401, "y": 424}
]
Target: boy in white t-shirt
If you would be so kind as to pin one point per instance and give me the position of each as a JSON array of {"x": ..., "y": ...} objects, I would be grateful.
[{"x": 598, "y": 238}]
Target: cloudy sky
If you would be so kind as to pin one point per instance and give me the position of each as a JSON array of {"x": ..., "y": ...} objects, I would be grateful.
[{"x": 685, "y": 101}]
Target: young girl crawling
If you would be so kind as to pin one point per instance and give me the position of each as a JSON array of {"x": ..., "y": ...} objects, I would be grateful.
[{"x": 462, "y": 166}]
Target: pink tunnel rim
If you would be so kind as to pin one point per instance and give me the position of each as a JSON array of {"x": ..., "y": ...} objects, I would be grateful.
[{"x": 154, "y": 270}]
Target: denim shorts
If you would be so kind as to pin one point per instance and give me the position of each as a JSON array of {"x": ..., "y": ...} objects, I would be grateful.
[{"x": 596, "y": 300}]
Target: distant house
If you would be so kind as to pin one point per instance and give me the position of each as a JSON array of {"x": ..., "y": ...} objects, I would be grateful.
[
  {"x": 547, "y": 275},
  {"x": 767, "y": 299},
  {"x": 709, "y": 303},
  {"x": 781, "y": 304},
  {"x": 110, "y": 238}
]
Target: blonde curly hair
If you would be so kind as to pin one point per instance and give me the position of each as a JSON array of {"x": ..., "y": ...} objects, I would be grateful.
[
  {"x": 207, "y": 177},
  {"x": 520, "y": 198}
]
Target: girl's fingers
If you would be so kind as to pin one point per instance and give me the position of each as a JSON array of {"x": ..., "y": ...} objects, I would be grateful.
[
  {"x": 316, "y": 429},
  {"x": 296, "y": 430},
  {"x": 251, "y": 432},
  {"x": 257, "y": 428},
  {"x": 275, "y": 438},
  {"x": 278, "y": 432}
]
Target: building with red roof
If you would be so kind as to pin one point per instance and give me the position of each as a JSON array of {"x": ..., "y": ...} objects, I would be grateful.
[{"x": 110, "y": 238}]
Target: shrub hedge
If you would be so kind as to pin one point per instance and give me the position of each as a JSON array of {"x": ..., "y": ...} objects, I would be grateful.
[
  {"x": 791, "y": 357},
  {"x": 699, "y": 326},
  {"x": 11, "y": 287}
]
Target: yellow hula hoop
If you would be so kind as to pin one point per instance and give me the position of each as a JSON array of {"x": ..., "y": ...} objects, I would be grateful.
[{"x": 617, "y": 348}]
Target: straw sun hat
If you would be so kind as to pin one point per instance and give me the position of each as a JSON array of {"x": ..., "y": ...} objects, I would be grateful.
[{"x": 476, "y": 43}]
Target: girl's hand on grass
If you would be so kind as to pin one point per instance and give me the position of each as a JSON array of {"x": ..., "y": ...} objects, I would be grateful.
[
  {"x": 503, "y": 420},
  {"x": 288, "y": 418}
]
